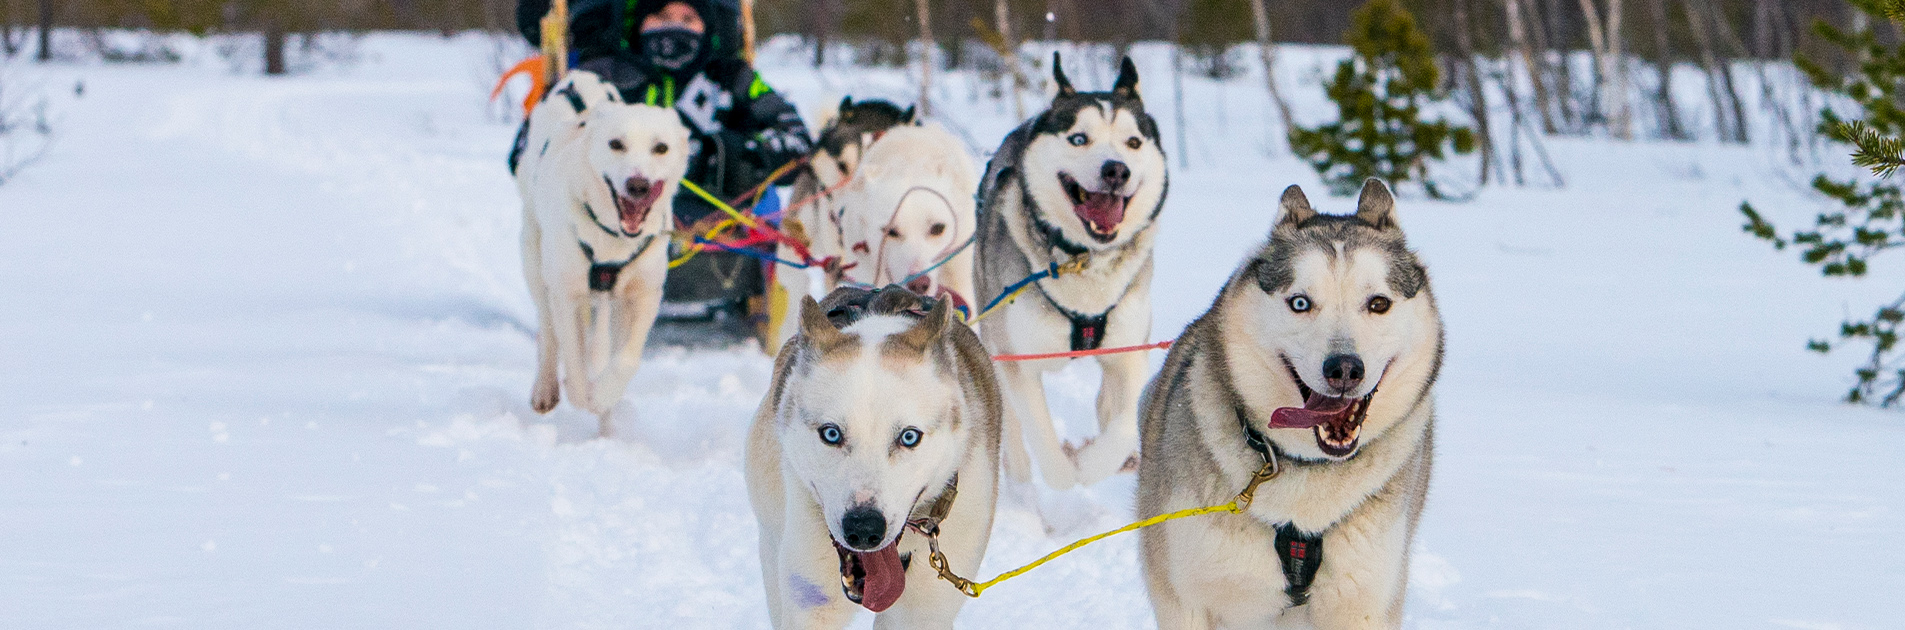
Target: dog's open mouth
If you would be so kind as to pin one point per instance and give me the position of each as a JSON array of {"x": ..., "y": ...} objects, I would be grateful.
[
  {"x": 1338, "y": 422},
  {"x": 632, "y": 205},
  {"x": 1102, "y": 212},
  {"x": 873, "y": 579}
]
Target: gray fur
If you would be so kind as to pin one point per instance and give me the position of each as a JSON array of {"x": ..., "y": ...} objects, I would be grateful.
[{"x": 1221, "y": 570}]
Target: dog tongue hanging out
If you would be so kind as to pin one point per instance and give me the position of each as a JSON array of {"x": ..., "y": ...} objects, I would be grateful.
[{"x": 883, "y": 412}]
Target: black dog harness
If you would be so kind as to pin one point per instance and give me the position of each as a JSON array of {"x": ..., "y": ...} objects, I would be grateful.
[
  {"x": 1299, "y": 552},
  {"x": 602, "y": 275},
  {"x": 1088, "y": 331}
]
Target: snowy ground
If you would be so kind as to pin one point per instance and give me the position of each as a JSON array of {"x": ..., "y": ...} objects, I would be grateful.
[{"x": 267, "y": 353}]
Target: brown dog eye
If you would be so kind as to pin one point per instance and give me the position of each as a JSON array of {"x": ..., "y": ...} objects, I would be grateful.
[
  {"x": 843, "y": 166},
  {"x": 617, "y": 146},
  {"x": 892, "y": 233},
  {"x": 660, "y": 148},
  {"x": 1379, "y": 305},
  {"x": 938, "y": 229},
  {"x": 1134, "y": 142}
]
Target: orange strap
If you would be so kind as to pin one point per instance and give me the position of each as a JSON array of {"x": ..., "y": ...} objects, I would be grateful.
[
  {"x": 1081, "y": 353},
  {"x": 533, "y": 66}
]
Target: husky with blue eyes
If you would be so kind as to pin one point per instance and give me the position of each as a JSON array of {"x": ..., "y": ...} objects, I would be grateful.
[
  {"x": 1079, "y": 185},
  {"x": 882, "y": 423}
]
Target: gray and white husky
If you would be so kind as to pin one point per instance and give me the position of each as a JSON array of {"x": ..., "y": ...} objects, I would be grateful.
[
  {"x": 1083, "y": 179},
  {"x": 1319, "y": 356},
  {"x": 882, "y": 412}
]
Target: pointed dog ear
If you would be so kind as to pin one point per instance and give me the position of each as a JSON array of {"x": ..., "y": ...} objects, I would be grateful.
[
  {"x": 1294, "y": 208},
  {"x": 846, "y": 104},
  {"x": 912, "y": 113},
  {"x": 1058, "y": 76},
  {"x": 820, "y": 333},
  {"x": 1376, "y": 206},
  {"x": 919, "y": 339},
  {"x": 1127, "y": 85}
]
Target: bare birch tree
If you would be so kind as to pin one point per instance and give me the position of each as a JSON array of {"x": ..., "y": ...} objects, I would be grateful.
[
  {"x": 1266, "y": 50},
  {"x": 1605, "y": 38}
]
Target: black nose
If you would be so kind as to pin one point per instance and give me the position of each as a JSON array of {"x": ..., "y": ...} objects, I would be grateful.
[
  {"x": 1115, "y": 174},
  {"x": 637, "y": 186},
  {"x": 864, "y": 528},
  {"x": 1343, "y": 371},
  {"x": 920, "y": 285}
]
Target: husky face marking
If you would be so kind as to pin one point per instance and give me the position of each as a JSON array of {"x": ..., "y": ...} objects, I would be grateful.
[
  {"x": 1095, "y": 151},
  {"x": 1339, "y": 302},
  {"x": 636, "y": 150},
  {"x": 868, "y": 455}
]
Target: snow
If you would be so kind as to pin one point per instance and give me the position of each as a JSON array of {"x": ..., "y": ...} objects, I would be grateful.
[{"x": 268, "y": 356}]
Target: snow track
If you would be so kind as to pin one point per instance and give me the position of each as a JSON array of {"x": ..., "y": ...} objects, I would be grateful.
[{"x": 267, "y": 355}]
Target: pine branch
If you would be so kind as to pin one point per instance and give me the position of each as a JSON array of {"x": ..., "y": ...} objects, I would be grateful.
[{"x": 1872, "y": 150}]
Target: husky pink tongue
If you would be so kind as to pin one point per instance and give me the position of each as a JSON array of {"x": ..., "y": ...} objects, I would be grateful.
[
  {"x": 634, "y": 210},
  {"x": 1102, "y": 212},
  {"x": 1317, "y": 410},
  {"x": 885, "y": 577}
]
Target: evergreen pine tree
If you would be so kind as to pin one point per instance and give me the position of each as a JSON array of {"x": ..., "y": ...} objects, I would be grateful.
[
  {"x": 1379, "y": 93},
  {"x": 1842, "y": 242}
]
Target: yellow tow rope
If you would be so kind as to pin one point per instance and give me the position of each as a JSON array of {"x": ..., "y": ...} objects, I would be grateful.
[{"x": 974, "y": 589}]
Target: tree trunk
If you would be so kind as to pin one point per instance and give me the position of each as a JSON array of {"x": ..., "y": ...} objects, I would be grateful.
[
  {"x": 1009, "y": 55},
  {"x": 1518, "y": 38},
  {"x": 1664, "y": 109},
  {"x": 1612, "y": 77},
  {"x": 275, "y": 41},
  {"x": 926, "y": 47},
  {"x": 1555, "y": 58},
  {"x": 1726, "y": 100},
  {"x": 1267, "y": 52},
  {"x": 1177, "y": 85},
  {"x": 46, "y": 31},
  {"x": 1471, "y": 80}
]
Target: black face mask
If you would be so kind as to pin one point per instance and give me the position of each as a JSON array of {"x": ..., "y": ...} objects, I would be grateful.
[{"x": 672, "y": 48}]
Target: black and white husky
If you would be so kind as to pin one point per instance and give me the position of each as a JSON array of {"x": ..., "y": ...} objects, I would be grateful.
[
  {"x": 1082, "y": 181},
  {"x": 1320, "y": 356}
]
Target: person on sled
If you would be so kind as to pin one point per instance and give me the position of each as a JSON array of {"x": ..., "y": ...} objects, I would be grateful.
[{"x": 685, "y": 54}]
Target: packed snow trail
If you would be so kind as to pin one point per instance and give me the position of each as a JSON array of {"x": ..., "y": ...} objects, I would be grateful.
[{"x": 268, "y": 351}]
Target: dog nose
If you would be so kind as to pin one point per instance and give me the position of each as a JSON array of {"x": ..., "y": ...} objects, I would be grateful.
[
  {"x": 1343, "y": 371},
  {"x": 920, "y": 285},
  {"x": 637, "y": 186},
  {"x": 1115, "y": 174},
  {"x": 864, "y": 528}
]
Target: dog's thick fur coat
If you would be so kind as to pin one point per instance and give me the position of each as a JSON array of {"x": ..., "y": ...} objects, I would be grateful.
[
  {"x": 1324, "y": 289},
  {"x": 867, "y": 369},
  {"x": 1085, "y": 176},
  {"x": 598, "y": 182}
]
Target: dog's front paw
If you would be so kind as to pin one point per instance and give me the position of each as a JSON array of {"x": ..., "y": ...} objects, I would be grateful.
[{"x": 545, "y": 396}]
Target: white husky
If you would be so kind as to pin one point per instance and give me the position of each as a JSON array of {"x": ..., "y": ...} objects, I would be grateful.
[
  {"x": 878, "y": 416},
  {"x": 1085, "y": 179},
  {"x": 598, "y": 180},
  {"x": 910, "y": 210},
  {"x": 1317, "y": 363}
]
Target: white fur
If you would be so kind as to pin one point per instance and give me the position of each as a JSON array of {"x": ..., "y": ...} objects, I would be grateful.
[
  {"x": 595, "y": 337},
  {"x": 909, "y": 207},
  {"x": 801, "y": 487}
]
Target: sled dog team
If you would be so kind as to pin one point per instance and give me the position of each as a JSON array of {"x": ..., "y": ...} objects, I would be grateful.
[{"x": 887, "y": 422}]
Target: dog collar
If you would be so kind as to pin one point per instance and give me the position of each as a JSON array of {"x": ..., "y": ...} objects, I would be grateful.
[
  {"x": 602, "y": 275},
  {"x": 1052, "y": 235}
]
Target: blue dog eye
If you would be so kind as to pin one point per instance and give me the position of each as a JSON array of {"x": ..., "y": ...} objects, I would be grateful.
[
  {"x": 910, "y": 437},
  {"x": 1300, "y": 303},
  {"x": 831, "y": 434},
  {"x": 1079, "y": 139}
]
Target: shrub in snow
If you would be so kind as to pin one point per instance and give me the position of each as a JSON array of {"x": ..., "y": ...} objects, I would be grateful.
[
  {"x": 25, "y": 132},
  {"x": 1379, "y": 93},
  {"x": 1871, "y": 218}
]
